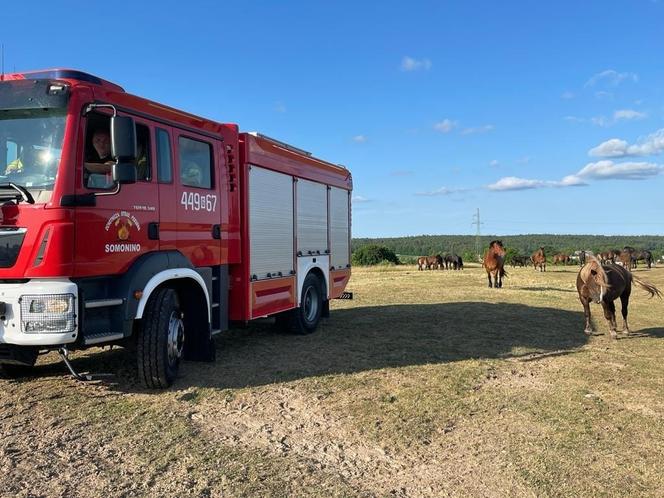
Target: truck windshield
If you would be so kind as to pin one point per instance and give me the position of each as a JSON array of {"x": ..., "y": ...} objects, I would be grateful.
[{"x": 30, "y": 147}]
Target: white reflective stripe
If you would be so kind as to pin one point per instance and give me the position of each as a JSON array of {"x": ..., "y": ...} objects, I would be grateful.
[
  {"x": 173, "y": 274},
  {"x": 601, "y": 293}
]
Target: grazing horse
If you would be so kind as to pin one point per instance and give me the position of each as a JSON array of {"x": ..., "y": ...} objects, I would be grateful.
[
  {"x": 519, "y": 260},
  {"x": 452, "y": 261},
  {"x": 429, "y": 262},
  {"x": 603, "y": 284},
  {"x": 561, "y": 258},
  {"x": 494, "y": 263},
  {"x": 539, "y": 259}
]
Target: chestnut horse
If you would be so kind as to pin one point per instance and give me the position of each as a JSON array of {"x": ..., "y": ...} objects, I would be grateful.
[
  {"x": 429, "y": 262},
  {"x": 561, "y": 258},
  {"x": 603, "y": 284},
  {"x": 539, "y": 259},
  {"x": 494, "y": 263}
]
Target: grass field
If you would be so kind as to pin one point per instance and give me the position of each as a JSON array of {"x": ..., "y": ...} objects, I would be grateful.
[{"x": 426, "y": 384}]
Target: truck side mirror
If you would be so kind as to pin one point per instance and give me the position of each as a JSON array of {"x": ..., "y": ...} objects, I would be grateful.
[
  {"x": 123, "y": 173},
  {"x": 123, "y": 139}
]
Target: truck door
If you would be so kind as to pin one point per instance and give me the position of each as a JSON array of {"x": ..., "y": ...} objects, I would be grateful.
[
  {"x": 198, "y": 221},
  {"x": 114, "y": 232}
]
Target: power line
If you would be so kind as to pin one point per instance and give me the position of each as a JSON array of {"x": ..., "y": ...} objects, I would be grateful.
[{"x": 478, "y": 223}]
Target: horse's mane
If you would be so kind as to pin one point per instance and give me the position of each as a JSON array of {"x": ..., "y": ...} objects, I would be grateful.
[{"x": 592, "y": 263}]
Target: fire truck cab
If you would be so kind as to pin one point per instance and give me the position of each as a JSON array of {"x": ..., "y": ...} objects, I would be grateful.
[{"x": 128, "y": 222}]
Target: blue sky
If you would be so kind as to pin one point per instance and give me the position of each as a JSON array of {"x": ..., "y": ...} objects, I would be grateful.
[{"x": 547, "y": 116}]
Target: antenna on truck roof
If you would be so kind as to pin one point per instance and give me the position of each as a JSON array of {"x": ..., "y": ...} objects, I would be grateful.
[{"x": 280, "y": 143}]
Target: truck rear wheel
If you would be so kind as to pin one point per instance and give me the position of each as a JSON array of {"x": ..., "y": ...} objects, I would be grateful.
[
  {"x": 304, "y": 320},
  {"x": 160, "y": 340}
]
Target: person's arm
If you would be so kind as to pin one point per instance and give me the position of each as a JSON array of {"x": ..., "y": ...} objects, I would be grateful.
[{"x": 102, "y": 168}]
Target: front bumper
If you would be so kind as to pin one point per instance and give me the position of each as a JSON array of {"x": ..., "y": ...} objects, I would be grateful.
[{"x": 11, "y": 331}]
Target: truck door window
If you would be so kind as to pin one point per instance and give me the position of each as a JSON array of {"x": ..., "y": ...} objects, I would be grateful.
[
  {"x": 98, "y": 160},
  {"x": 143, "y": 159},
  {"x": 195, "y": 163},
  {"x": 164, "y": 166}
]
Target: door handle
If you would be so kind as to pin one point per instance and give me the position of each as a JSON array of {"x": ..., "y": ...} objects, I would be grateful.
[
  {"x": 216, "y": 232},
  {"x": 153, "y": 230}
]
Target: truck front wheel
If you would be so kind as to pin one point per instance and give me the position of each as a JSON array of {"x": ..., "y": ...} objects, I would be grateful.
[
  {"x": 304, "y": 320},
  {"x": 160, "y": 340},
  {"x": 24, "y": 361}
]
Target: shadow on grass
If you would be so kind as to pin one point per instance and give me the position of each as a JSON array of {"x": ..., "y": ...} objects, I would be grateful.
[
  {"x": 545, "y": 289},
  {"x": 360, "y": 339}
]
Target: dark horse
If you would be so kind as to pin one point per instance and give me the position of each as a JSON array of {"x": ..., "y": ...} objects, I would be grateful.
[
  {"x": 494, "y": 263},
  {"x": 638, "y": 255},
  {"x": 453, "y": 261},
  {"x": 603, "y": 284}
]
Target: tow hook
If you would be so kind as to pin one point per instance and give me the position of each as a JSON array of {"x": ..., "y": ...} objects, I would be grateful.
[{"x": 64, "y": 354}]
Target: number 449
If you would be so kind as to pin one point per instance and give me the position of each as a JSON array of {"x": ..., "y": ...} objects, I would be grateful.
[{"x": 196, "y": 202}]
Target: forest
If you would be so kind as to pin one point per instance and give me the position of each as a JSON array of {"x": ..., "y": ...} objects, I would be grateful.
[{"x": 465, "y": 245}]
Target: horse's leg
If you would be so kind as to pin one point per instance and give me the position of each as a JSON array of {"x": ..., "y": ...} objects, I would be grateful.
[
  {"x": 488, "y": 274},
  {"x": 610, "y": 315},
  {"x": 585, "y": 301},
  {"x": 624, "y": 303},
  {"x": 499, "y": 275}
]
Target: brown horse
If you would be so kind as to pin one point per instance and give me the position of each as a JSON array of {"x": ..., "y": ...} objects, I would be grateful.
[
  {"x": 561, "y": 258},
  {"x": 539, "y": 259},
  {"x": 429, "y": 262},
  {"x": 603, "y": 284},
  {"x": 494, "y": 262}
]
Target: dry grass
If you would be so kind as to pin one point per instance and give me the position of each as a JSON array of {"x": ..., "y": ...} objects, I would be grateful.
[{"x": 427, "y": 384}]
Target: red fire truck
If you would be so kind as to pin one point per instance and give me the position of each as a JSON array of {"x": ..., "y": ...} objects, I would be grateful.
[{"x": 128, "y": 222}]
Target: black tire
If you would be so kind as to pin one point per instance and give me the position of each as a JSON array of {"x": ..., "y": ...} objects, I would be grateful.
[
  {"x": 304, "y": 320},
  {"x": 160, "y": 340},
  {"x": 11, "y": 371},
  {"x": 28, "y": 357}
]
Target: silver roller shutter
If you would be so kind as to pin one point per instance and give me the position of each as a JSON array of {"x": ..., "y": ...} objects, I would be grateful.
[
  {"x": 339, "y": 228},
  {"x": 311, "y": 217},
  {"x": 270, "y": 222}
]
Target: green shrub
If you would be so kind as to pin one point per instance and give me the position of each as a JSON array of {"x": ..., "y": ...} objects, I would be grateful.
[{"x": 373, "y": 254}]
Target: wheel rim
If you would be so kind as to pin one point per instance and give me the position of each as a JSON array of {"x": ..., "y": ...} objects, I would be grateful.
[
  {"x": 175, "y": 337},
  {"x": 310, "y": 303}
]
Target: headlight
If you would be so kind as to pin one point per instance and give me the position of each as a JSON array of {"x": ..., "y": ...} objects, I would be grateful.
[{"x": 48, "y": 313}]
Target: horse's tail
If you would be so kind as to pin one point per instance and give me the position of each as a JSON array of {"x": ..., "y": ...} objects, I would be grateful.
[
  {"x": 654, "y": 291},
  {"x": 503, "y": 272}
]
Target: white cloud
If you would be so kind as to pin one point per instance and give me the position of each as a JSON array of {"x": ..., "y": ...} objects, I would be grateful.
[
  {"x": 628, "y": 115},
  {"x": 360, "y": 199},
  {"x": 494, "y": 163},
  {"x": 477, "y": 129},
  {"x": 616, "y": 117},
  {"x": 608, "y": 170},
  {"x": 445, "y": 126},
  {"x": 360, "y": 139},
  {"x": 514, "y": 183},
  {"x": 651, "y": 145},
  {"x": 601, "y": 121},
  {"x": 612, "y": 78},
  {"x": 410, "y": 64},
  {"x": 441, "y": 191},
  {"x": 611, "y": 148},
  {"x": 567, "y": 95},
  {"x": 523, "y": 160}
]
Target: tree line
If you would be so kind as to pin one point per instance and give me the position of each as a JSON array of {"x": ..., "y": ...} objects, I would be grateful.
[{"x": 464, "y": 245}]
